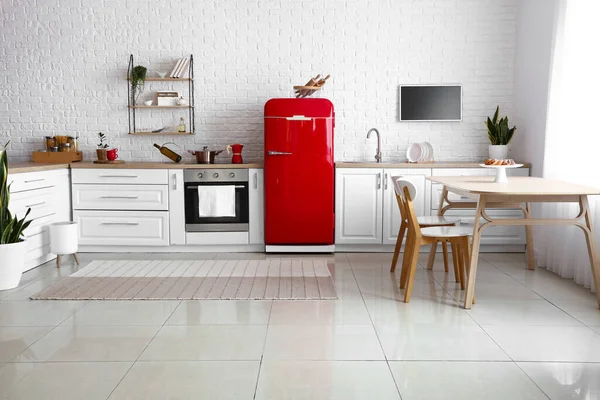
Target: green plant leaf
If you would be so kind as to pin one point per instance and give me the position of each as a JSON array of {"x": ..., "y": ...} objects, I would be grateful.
[{"x": 496, "y": 114}]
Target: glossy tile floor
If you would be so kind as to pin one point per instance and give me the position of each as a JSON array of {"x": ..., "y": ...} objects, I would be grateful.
[{"x": 531, "y": 335}]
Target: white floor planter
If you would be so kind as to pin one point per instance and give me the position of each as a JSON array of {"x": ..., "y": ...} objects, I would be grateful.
[
  {"x": 499, "y": 151},
  {"x": 63, "y": 238},
  {"x": 12, "y": 259}
]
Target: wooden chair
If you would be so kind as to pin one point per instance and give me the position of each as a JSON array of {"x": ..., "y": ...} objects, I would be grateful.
[
  {"x": 458, "y": 237},
  {"x": 424, "y": 222}
]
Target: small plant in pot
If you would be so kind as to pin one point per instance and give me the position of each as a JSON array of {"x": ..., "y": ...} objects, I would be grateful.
[
  {"x": 12, "y": 243},
  {"x": 102, "y": 146},
  {"x": 500, "y": 135}
]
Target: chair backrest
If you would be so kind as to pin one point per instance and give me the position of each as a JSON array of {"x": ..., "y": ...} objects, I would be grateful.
[{"x": 406, "y": 192}]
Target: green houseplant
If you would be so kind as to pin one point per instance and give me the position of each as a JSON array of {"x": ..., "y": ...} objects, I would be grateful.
[
  {"x": 499, "y": 134},
  {"x": 12, "y": 244},
  {"x": 138, "y": 79},
  {"x": 102, "y": 146}
]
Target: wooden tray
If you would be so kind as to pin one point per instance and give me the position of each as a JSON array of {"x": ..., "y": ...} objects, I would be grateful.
[
  {"x": 59, "y": 157},
  {"x": 109, "y": 162}
]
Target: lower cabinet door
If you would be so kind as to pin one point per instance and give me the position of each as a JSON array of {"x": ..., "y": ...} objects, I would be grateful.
[
  {"x": 358, "y": 205},
  {"x": 123, "y": 228}
]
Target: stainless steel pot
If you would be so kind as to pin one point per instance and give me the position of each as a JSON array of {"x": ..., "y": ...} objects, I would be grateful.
[{"x": 205, "y": 156}]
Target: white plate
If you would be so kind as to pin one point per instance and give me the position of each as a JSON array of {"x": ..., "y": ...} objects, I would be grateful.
[
  {"x": 430, "y": 148},
  {"x": 414, "y": 152},
  {"x": 424, "y": 152}
]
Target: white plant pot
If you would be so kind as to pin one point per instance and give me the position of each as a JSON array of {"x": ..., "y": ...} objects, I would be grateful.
[
  {"x": 498, "y": 151},
  {"x": 63, "y": 237},
  {"x": 12, "y": 260}
]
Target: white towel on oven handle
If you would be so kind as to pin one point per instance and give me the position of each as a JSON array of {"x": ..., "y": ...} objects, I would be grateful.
[{"x": 216, "y": 201}]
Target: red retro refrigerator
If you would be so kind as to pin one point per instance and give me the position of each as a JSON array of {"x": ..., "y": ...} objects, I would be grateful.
[{"x": 299, "y": 175}]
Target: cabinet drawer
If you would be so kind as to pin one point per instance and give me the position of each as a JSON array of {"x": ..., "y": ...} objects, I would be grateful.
[
  {"x": 120, "y": 176},
  {"x": 35, "y": 199},
  {"x": 34, "y": 180},
  {"x": 120, "y": 197},
  {"x": 123, "y": 228},
  {"x": 38, "y": 240}
]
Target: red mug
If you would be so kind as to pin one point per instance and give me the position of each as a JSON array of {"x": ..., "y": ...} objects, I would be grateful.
[{"x": 112, "y": 154}]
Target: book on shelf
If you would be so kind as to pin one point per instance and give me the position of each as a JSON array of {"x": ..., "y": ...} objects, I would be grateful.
[
  {"x": 182, "y": 67},
  {"x": 176, "y": 68}
]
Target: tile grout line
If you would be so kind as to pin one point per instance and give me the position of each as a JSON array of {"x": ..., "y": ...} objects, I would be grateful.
[
  {"x": 142, "y": 352},
  {"x": 387, "y": 362},
  {"x": 262, "y": 356},
  {"x": 501, "y": 348}
]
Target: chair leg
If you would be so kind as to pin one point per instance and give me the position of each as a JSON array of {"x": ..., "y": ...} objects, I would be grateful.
[
  {"x": 410, "y": 279},
  {"x": 406, "y": 260},
  {"x": 445, "y": 251},
  {"x": 76, "y": 258},
  {"x": 398, "y": 246},
  {"x": 58, "y": 261},
  {"x": 457, "y": 266},
  {"x": 431, "y": 258}
]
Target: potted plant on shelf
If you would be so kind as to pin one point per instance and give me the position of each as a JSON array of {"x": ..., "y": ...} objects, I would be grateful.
[
  {"x": 12, "y": 244},
  {"x": 138, "y": 79},
  {"x": 500, "y": 135},
  {"x": 102, "y": 146}
]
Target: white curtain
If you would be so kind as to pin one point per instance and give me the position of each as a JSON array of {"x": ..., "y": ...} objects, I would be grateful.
[{"x": 572, "y": 148}]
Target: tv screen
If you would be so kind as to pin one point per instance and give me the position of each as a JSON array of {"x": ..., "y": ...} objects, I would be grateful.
[{"x": 430, "y": 103}]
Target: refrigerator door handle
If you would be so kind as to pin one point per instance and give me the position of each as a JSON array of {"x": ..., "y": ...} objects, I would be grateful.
[
  {"x": 298, "y": 118},
  {"x": 379, "y": 181},
  {"x": 278, "y": 153},
  {"x": 385, "y": 182}
]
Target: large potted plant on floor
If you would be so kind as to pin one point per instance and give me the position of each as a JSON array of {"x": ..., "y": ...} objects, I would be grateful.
[
  {"x": 12, "y": 244},
  {"x": 500, "y": 135}
]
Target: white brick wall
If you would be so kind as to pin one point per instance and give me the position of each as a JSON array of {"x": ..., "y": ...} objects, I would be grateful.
[{"x": 63, "y": 63}]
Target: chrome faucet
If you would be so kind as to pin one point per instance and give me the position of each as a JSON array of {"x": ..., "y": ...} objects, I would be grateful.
[{"x": 378, "y": 155}]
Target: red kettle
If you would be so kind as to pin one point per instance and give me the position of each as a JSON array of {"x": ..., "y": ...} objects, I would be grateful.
[{"x": 237, "y": 153}]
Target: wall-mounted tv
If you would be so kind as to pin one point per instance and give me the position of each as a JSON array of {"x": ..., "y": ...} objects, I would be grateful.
[{"x": 430, "y": 102}]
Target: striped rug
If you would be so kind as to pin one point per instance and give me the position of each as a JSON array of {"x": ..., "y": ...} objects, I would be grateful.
[{"x": 195, "y": 279}]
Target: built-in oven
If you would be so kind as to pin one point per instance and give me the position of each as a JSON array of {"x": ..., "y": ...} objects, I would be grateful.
[{"x": 238, "y": 178}]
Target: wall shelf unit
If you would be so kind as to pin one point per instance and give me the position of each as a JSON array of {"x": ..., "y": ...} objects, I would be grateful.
[{"x": 132, "y": 107}]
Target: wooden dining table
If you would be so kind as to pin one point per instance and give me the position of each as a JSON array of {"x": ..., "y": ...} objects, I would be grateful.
[{"x": 483, "y": 193}]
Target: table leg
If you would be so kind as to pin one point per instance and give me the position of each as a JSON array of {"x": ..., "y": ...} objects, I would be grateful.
[
  {"x": 474, "y": 252},
  {"x": 441, "y": 204},
  {"x": 529, "y": 235},
  {"x": 591, "y": 245}
]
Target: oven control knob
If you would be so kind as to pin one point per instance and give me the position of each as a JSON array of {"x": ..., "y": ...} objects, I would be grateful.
[
  {"x": 200, "y": 175},
  {"x": 215, "y": 175},
  {"x": 231, "y": 175}
]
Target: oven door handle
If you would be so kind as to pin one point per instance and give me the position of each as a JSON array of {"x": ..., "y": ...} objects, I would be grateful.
[{"x": 197, "y": 186}]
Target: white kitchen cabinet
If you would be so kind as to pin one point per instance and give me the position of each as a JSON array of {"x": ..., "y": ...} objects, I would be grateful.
[
  {"x": 46, "y": 193},
  {"x": 391, "y": 213},
  {"x": 256, "y": 193},
  {"x": 358, "y": 206},
  {"x": 122, "y": 207},
  {"x": 367, "y": 214},
  {"x": 177, "y": 209}
]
